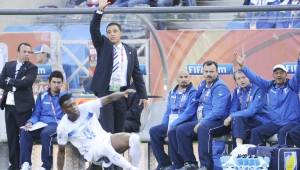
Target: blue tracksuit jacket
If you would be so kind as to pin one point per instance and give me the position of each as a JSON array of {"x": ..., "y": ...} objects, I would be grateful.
[
  {"x": 282, "y": 105},
  {"x": 249, "y": 102},
  {"x": 215, "y": 101},
  {"x": 43, "y": 110},
  {"x": 177, "y": 103}
]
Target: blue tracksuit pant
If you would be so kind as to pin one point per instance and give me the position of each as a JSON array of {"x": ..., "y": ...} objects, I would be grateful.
[
  {"x": 157, "y": 136},
  {"x": 45, "y": 135},
  {"x": 185, "y": 138},
  {"x": 260, "y": 134},
  {"x": 241, "y": 127},
  {"x": 173, "y": 149},
  {"x": 289, "y": 135},
  {"x": 205, "y": 134}
]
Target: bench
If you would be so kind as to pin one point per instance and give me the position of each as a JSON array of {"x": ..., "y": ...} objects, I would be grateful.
[{"x": 73, "y": 159}]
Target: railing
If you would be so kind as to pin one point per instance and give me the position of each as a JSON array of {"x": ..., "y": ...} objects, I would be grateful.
[{"x": 143, "y": 10}]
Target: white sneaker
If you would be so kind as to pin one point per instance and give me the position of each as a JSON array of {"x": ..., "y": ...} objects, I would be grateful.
[
  {"x": 42, "y": 168},
  {"x": 26, "y": 166}
]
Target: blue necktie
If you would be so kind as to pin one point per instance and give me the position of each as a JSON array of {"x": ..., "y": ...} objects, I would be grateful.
[{"x": 115, "y": 60}]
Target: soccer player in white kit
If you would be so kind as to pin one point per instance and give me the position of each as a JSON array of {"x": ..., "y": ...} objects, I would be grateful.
[{"x": 80, "y": 126}]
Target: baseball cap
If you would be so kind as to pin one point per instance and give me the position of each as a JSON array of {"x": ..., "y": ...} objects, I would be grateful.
[
  {"x": 42, "y": 48},
  {"x": 279, "y": 66}
]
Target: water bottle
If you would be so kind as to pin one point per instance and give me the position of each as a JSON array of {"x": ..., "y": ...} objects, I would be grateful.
[
  {"x": 251, "y": 162},
  {"x": 240, "y": 161}
]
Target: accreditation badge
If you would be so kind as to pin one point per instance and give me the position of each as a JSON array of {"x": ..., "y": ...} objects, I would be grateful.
[
  {"x": 10, "y": 100},
  {"x": 114, "y": 84},
  {"x": 172, "y": 118}
]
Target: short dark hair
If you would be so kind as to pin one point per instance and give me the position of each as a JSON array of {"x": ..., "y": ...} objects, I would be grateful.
[
  {"x": 23, "y": 43},
  {"x": 114, "y": 23},
  {"x": 210, "y": 62},
  {"x": 64, "y": 97},
  {"x": 56, "y": 74},
  {"x": 234, "y": 73}
]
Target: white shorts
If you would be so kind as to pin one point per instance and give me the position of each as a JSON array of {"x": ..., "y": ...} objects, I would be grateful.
[{"x": 98, "y": 147}]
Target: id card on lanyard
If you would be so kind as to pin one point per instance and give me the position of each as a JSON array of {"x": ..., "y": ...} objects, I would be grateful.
[
  {"x": 247, "y": 100},
  {"x": 204, "y": 96},
  {"x": 200, "y": 112},
  {"x": 114, "y": 84},
  {"x": 172, "y": 118}
]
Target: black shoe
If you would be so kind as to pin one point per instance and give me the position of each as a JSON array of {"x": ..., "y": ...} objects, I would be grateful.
[
  {"x": 12, "y": 168},
  {"x": 190, "y": 166}
]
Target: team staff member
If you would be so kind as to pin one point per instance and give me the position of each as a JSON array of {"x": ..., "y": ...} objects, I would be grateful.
[
  {"x": 246, "y": 108},
  {"x": 117, "y": 63},
  {"x": 212, "y": 104},
  {"x": 178, "y": 100},
  {"x": 16, "y": 80},
  {"x": 282, "y": 101},
  {"x": 47, "y": 110}
]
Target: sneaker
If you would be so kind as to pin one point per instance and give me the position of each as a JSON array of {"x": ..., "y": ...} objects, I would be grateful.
[
  {"x": 26, "y": 166},
  {"x": 190, "y": 166},
  {"x": 42, "y": 168}
]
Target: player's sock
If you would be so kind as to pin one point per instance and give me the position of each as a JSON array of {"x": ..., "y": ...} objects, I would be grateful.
[{"x": 135, "y": 149}]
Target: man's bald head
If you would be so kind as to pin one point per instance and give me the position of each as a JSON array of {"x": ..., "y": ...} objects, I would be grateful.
[{"x": 183, "y": 79}]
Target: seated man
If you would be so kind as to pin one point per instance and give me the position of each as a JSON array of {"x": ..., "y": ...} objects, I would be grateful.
[
  {"x": 292, "y": 137},
  {"x": 47, "y": 110},
  {"x": 246, "y": 105},
  {"x": 211, "y": 104},
  {"x": 282, "y": 106},
  {"x": 178, "y": 100},
  {"x": 80, "y": 126}
]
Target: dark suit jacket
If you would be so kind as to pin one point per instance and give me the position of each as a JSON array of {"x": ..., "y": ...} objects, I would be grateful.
[
  {"x": 23, "y": 95},
  {"x": 103, "y": 71}
]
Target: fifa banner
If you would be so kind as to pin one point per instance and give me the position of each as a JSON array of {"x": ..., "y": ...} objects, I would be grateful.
[
  {"x": 188, "y": 49},
  {"x": 8, "y": 51}
]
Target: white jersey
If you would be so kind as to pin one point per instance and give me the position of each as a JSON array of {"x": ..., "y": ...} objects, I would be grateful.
[{"x": 86, "y": 132}]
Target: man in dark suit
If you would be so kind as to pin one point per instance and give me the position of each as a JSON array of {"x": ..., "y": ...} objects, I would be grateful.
[
  {"x": 16, "y": 80},
  {"x": 117, "y": 63}
]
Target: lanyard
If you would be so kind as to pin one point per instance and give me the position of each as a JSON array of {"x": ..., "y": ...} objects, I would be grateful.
[
  {"x": 53, "y": 109},
  {"x": 122, "y": 58},
  {"x": 181, "y": 98},
  {"x": 248, "y": 97},
  {"x": 207, "y": 91}
]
